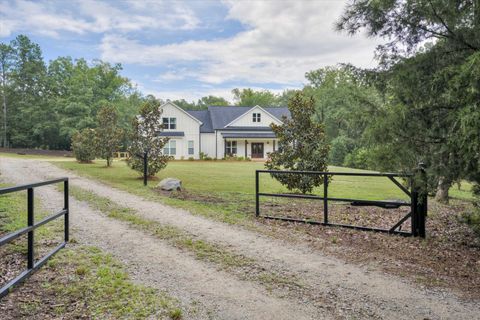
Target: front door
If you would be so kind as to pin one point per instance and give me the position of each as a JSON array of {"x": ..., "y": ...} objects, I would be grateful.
[{"x": 257, "y": 150}]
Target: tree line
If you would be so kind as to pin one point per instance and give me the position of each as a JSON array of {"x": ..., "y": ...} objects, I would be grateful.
[{"x": 421, "y": 104}]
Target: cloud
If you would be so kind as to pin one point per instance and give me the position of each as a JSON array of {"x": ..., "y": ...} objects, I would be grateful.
[
  {"x": 86, "y": 16},
  {"x": 279, "y": 43}
]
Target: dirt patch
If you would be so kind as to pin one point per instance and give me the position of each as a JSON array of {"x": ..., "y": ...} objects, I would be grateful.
[{"x": 38, "y": 152}]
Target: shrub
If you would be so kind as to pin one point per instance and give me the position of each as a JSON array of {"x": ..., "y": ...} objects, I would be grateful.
[
  {"x": 472, "y": 218},
  {"x": 207, "y": 158},
  {"x": 191, "y": 158},
  {"x": 341, "y": 146},
  {"x": 84, "y": 145}
]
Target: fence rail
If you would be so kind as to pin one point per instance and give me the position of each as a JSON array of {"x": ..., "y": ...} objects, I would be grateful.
[
  {"x": 30, "y": 229},
  {"x": 418, "y": 203}
]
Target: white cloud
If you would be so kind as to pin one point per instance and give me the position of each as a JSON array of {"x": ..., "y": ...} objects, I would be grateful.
[
  {"x": 281, "y": 42},
  {"x": 87, "y": 16}
]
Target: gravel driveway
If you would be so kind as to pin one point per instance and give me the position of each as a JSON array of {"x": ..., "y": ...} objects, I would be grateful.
[{"x": 205, "y": 292}]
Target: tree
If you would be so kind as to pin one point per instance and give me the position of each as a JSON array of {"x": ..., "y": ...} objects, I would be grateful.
[
  {"x": 108, "y": 134},
  {"x": 84, "y": 145},
  {"x": 250, "y": 97},
  {"x": 6, "y": 62},
  {"x": 146, "y": 140},
  {"x": 204, "y": 102},
  {"x": 428, "y": 94},
  {"x": 345, "y": 103},
  {"x": 302, "y": 146}
]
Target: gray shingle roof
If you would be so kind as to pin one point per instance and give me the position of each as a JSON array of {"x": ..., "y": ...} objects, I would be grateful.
[
  {"x": 216, "y": 117},
  {"x": 204, "y": 116}
]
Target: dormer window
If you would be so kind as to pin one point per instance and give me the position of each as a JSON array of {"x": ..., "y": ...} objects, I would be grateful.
[
  {"x": 257, "y": 117},
  {"x": 170, "y": 123}
]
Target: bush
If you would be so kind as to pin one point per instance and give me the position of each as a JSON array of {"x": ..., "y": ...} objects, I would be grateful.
[
  {"x": 340, "y": 147},
  {"x": 207, "y": 158},
  {"x": 359, "y": 158},
  {"x": 84, "y": 145},
  {"x": 191, "y": 158},
  {"x": 472, "y": 218},
  {"x": 202, "y": 155}
]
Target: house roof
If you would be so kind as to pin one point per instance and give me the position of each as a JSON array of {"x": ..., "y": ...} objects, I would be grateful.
[
  {"x": 204, "y": 117},
  {"x": 217, "y": 117}
]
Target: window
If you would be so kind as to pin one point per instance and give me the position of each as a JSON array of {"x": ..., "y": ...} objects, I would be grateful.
[
  {"x": 190, "y": 147},
  {"x": 257, "y": 117},
  {"x": 231, "y": 147},
  {"x": 170, "y": 148},
  {"x": 170, "y": 123}
]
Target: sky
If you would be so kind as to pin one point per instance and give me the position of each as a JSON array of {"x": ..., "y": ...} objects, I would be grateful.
[{"x": 189, "y": 49}]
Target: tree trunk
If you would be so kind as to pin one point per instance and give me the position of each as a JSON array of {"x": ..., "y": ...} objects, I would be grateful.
[{"x": 442, "y": 190}]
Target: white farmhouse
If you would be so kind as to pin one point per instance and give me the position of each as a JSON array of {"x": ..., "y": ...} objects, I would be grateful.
[{"x": 220, "y": 131}]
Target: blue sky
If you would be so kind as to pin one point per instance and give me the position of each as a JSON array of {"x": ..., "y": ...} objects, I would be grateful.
[{"x": 188, "y": 49}]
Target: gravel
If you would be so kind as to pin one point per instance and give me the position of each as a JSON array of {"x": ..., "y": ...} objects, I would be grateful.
[{"x": 333, "y": 288}]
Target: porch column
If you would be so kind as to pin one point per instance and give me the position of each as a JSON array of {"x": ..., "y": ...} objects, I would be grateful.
[
  {"x": 273, "y": 145},
  {"x": 225, "y": 147},
  {"x": 246, "y": 144}
]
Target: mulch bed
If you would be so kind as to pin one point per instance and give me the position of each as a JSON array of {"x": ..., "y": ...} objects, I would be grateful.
[{"x": 448, "y": 258}]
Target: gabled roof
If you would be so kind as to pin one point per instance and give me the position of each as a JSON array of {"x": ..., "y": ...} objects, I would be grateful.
[
  {"x": 188, "y": 114},
  {"x": 204, "y": 117},
  {"x": 247, "y": 111},
  {"x": 222, "y": 116}
]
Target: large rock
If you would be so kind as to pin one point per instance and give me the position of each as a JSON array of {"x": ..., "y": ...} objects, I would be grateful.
[{"x": 170, "y": 184}]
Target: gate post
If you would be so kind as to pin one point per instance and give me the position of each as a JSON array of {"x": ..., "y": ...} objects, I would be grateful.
[
  {"x": 257, "y": 199},
  {"x": 325, "y": 201},
  {"x": 30, "y": 222},
  {"x": 423, "y": 204},
  {"x": 419, "y": 201}
]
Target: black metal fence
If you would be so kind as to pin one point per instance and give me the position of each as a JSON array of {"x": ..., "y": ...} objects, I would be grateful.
[
  {"x": 417, "y": 204},
  {"x": 30, "y": 229}
]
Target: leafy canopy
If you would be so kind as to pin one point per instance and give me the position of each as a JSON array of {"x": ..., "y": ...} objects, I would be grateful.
[
  {"x": 146, "y": 140},
  {"x": 302, "y": 146}
]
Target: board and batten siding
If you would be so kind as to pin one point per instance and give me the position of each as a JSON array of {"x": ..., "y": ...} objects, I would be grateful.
[
  {"x": 186, "y": 124},
  {"x": 246, "y": 120}
]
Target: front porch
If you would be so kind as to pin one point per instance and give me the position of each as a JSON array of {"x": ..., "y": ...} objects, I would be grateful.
[{"x": 249, "y": 146}]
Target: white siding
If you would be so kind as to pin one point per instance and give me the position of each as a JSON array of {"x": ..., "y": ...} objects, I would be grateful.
[
  {"x": 208, "y": 144},
  {"x": 246, "y": 120},
  {"x": 186, "y": 124}
]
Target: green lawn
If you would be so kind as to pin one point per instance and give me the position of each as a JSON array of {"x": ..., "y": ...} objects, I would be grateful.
[{"x": 222, "y": 178}]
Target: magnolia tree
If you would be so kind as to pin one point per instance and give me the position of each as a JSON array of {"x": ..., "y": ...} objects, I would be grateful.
[
  {"x": 302, "y": 146},
  {"x": 109, "y": 135},
  {"x": 146, "y": 140}
]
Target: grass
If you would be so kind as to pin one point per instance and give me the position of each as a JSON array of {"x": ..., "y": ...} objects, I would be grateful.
[
  {"x": 221, "y": 256},
  {"x": 224, "y": 190},
  {"x": 224, "y": 178},
  {"x": 77, "y": 282}
]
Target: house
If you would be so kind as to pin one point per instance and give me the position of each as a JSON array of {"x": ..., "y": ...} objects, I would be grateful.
[{"x": 220, "y": 131}]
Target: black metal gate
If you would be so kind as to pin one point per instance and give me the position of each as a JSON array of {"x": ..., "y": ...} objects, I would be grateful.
[
  {"x": 30, "y": 229},
  {"x": 417, "y": 204}
]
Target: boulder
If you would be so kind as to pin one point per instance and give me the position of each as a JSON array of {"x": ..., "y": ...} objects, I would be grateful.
[{"x": 170, "y": 184}]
